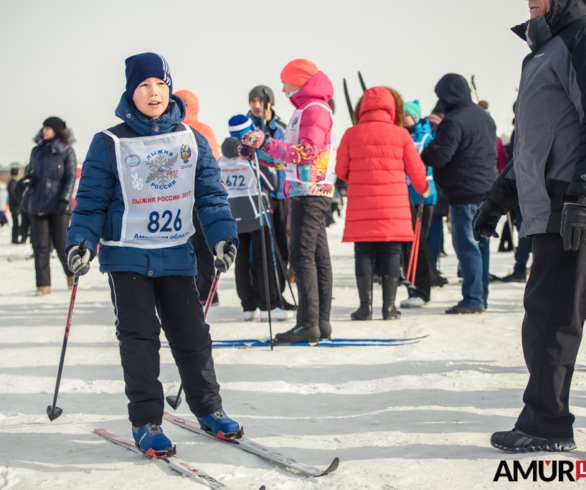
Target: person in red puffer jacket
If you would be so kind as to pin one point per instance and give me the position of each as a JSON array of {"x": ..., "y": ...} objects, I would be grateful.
[{"x": 374, "y": 156}]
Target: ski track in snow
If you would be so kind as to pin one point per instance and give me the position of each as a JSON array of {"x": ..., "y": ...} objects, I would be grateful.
[{"x": 410, "y": 417}]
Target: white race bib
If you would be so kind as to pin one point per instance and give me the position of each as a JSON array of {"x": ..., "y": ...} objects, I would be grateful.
[
  {"x": 328, "y": 172},
  {"x": 157, "y": 176},
  {"x": 238, "y": 176}
]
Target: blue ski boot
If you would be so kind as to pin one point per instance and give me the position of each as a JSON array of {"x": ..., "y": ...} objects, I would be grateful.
[
  {"x": 221, "y": 426},
  {"x": 150, "y": 440}
]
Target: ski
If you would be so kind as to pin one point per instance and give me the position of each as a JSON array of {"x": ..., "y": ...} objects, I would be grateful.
[
  {"x": 255, "y": 448},
  {"x": 310, "y": 344},
  {"x": 172, "y": 462},
  {"x": 333, "y": 341}
]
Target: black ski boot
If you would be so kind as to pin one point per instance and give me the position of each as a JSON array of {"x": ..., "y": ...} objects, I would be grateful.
[
  {"x": 298, "y": 334},
  {"x": 365, "y": 294},
  {"x": 463, "y": 310},
  {"x": 515, "y": 441},
  {"x": 390, "y": 285},
  {"x": 325, "y": 307}
]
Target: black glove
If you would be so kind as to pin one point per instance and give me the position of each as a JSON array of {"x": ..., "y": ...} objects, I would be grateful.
[
  {"x": 29, "y": 180},
  {"x": 62, "y": 206},
  {"x": 485, "y": 220},
  {"x": 573, "y": 226},
  {"x": 225, "y": 254},
  {"x": 78, "y": 259}
]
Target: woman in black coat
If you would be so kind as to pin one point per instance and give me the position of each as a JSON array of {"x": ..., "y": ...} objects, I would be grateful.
[{"x": 51, "y": 178}]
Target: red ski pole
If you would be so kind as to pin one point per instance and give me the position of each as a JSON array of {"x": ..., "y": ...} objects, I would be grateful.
[
  {"x": 175, "y": 401},
  {"x": 415, "y": 245},
  {"x": 53, "y": 411}
]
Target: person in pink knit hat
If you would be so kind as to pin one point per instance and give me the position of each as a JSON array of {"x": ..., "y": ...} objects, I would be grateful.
[{"x": 308, "y": 155}]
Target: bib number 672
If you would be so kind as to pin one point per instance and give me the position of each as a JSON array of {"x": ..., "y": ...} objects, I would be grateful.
[{"x": 154, "y": 224}]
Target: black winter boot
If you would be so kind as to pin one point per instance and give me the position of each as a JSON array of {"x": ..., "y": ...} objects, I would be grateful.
[
  {"x": 299, "y": 334},
  {"x": 390, "y": 285},
  {"x": 325, "y": 330},
  {"x": 365, "y": 294}
]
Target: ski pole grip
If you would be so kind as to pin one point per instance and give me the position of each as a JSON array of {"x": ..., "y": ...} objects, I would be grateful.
[
  {"x": 229, "y": 243},
  {"x": 82, "y": 249}
]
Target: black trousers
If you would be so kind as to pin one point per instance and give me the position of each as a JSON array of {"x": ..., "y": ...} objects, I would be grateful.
[
  {"x": 309, "y": 257},
  {"x": 555, "y": 311},
  {"x": 250, "y": 280},
  {"x": 138, "y": 329},
  {"x": 279, "y": 222},
  {"x": 205, "y": 259},
  {"x": 16, "y": 224},
  {"x": 426, "y": 268},
  {"x": 46, "y": 229},
  {"x": 386, "y": 254}
]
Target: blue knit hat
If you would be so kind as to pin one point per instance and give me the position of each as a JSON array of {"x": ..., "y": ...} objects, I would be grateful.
[
  {"x": 240, "y": 125},
  {"x": 146, "y": 65},
  {"x": 414, "y": 110}
]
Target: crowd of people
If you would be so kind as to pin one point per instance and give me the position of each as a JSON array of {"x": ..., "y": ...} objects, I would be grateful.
[{"x": 161, "y": 205}]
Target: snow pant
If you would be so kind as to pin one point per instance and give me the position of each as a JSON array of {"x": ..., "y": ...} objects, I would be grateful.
[
  {"x": 250, "y": 279},
  {"x": 555, "y": 311},
  {"x": 309, "y": 257},
  {"x": 139, "y": 302},
  {"x": 388, "y": 255},
  {"x": 46, "y": 229},
  {"x": 279, "y": 222},
  {"x": 425, "y": 264},
  {"x": 205, "y": 260},
  {"x": 523, "y": 248},
  {"x": 16, "y": 225},
  {"x": 474, "y": 256}
]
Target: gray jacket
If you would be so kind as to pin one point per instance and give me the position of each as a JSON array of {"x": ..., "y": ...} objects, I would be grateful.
[{"x": 549, "y": 160}]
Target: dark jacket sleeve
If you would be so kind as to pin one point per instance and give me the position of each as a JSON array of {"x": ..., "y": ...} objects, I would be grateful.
[
  {"x": 69, "y": 174},
  {"x": 504, "y": 190},
  {"x": 577, "y": 93},
  {"x": 442, "y": 149},
  {"x": 211, "y": 198},
  {"x": 94, "y": 195}
]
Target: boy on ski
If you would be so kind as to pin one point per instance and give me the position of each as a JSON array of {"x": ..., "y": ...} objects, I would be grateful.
[{"x": 139, "y": 183}]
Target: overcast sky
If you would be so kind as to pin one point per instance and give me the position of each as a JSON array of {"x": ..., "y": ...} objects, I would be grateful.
[{"x": 66, "y": 57}]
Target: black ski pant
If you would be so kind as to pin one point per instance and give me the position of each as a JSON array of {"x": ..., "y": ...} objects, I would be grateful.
[
  {"x": 426, "y": 268},
  {"x": 205, "y": 260},
  {"x": 309, "y": 257},
  {"x": 250, "y": 280},
  {"x": 142, "y": 305},
  {"x": 46, "y": 229},
  {"x": 17, "y": 230},
  {"x": 388, "y": 255},
  {"x": 279, "y": 222},
  {"x": 555, "y": 311}
]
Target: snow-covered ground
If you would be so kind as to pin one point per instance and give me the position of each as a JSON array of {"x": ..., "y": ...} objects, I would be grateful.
[{"x": 409, "y": 417}]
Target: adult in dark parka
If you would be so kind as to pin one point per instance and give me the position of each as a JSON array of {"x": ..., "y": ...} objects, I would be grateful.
[
  {"x": 463, "y": 156},
  {"x": 51, "y": 179},
  {"x": 547, "y": 178}
]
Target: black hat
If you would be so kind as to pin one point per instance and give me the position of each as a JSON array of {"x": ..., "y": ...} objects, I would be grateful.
[
  {"x": 258, "y": 92},
  {"x": 230, "y": 147},
  {"x": 55, "y": 123}
]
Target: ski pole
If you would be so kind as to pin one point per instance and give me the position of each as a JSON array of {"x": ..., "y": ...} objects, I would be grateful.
[
  {"x": 265, "y": 212},
  {"x": 362, "y": 84},
  {"x": 281, "y": 261},
  {"x": 415, "y": 249},
  {"x": 175, "y": 401},
  {"x": 475, "y": 89},
  {"x": 348, "y": 101},
  {"x": 264, "y": 250},
  {"x": 53, "y": 411}
]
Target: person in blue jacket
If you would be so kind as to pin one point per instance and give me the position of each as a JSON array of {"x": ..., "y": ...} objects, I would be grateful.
[
  {"x": 139, "y": 183},
  {"x": 420, "y": 131}
]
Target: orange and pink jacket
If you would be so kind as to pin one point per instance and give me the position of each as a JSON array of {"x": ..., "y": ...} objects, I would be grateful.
[{"x": 312, "y": 152}]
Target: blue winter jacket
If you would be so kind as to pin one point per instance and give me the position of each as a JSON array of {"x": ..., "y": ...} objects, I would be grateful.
[
  {"x": 100, "y": 204},
  {"x": 423, "y": 133},
  {"x": 276, "y": 131}
]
